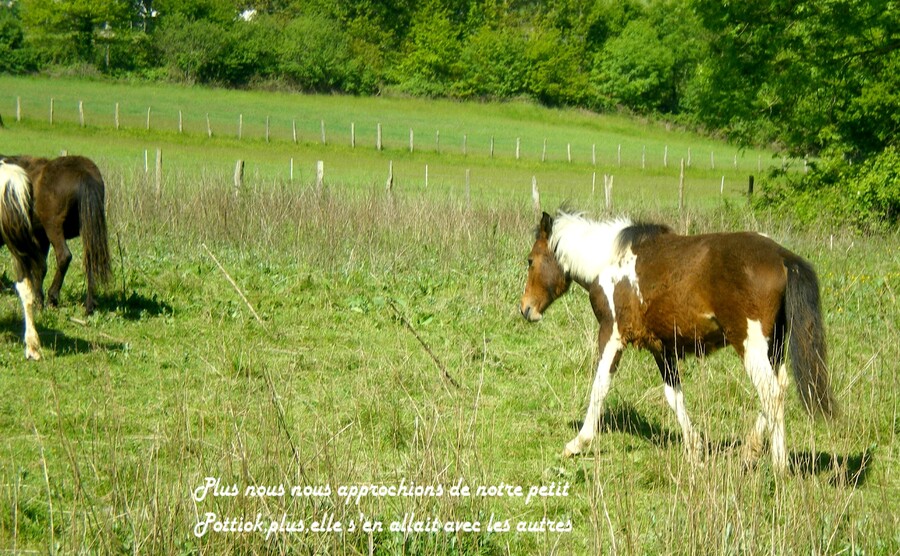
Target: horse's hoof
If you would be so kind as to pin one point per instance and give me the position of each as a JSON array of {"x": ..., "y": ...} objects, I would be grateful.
[
  {"x": 571, "y": 450},
  {"x": 32, "y": 354}
]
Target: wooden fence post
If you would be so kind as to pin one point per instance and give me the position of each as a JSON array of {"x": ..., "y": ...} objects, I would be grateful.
[
  {"x": 240, "y": 126},
  {"x": 292, "y": 169},
  {"x": 208, "y": 127},
  {"x": 117, "y": 116},
  {"x": 180, "y": 122},
  {"x": 378, "y": 144},
  {"x": 51, "y": 111},
  {"x": 148, "y": 118},
  {"x": 535, "y": 196},
  {"x": 569, "y": 151},
  {"x": 666, "y": 157},
  {"x": 389, "y": 185},
  {"x": 323, "y": 132},
  {"x": 465, "y": 144},
  {"x": 81, "y": 113},
  {"x": 594, "y": 154},
  {"x": 619, "y": 155},
  {"x": 238, "y": 176},
  {"x": 492, "y": 146},
  {"x": 426, "y": 176},
  {"x": 158, "y": 172},
  {"x": 518, "y": 141},
  {"x": 644, "y": 157},
  {"x": 294, "y": 130},
  {"x": 411, "y": 141},
  {"x": 607, "y": 191},
  {"x": 267, "y": 129},
  {"x": 544, "y": 151},
  {"x": 320, "y": 175},
  {"x": 437, "y": 140},
  {"x": 352, "y": 135}
]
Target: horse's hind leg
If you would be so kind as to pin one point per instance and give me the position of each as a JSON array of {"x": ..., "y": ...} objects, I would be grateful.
[
  {"x": 611, "y": 350},
  {"x": 771, "y": 386},
  {"x": 63, "y": 259},
  {"x": 668, "y": 368}
]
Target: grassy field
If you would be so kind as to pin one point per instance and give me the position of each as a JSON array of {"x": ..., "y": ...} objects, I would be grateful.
[{"x": 286, "y": 336}]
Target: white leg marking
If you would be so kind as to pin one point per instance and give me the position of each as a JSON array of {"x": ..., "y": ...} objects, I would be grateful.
[
  {"x": 602, "y": 381},
  {"x": 32, "y": 342},
  {"x": 770, "y": 387},
  {"x": 692, "y": 442}
]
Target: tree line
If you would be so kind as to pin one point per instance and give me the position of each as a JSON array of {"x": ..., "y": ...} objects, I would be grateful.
[{"x": 816, "y": 78}]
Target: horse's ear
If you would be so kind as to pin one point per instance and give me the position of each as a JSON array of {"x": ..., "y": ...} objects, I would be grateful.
[{"x": 546, "y": 226}]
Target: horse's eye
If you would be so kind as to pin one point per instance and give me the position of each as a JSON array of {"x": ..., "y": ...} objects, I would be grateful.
[{"x": 530, "y": 262}]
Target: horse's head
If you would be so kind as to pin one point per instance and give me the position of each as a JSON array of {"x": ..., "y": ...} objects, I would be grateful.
[{"x": 546, "y": 278}]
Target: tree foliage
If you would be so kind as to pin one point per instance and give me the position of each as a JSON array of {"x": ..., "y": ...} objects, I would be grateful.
[{"x": 817, "y": 77}]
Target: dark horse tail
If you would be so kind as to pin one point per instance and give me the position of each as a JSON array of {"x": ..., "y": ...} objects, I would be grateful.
[
  {"x": 92, "y": 219},
  {"x": 16, "y": 213},
  {"x": 807, "y": 338}
]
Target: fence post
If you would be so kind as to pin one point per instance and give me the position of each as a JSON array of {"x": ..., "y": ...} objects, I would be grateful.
[
  {"x": 569, "y": 151},
  {"x": 389, "y": 185},
  {"x": 594, "y": 154},
  {"x": 81, "y": 113},
  {"x": 437, "y": 140},
  {"x": 666, "y": 157},
  {"x": 593, "y": 183},
  {"x": 267, "y": 129},
  {"x": 352, "y": 135},
  {"x": 117, "y": 116},
  {"x": 294, "y": 130},
  {"x": 292, "y": 169},
  {"x": 240, "y": 126},
  {"x": 465, "y": 144},
  {"x": 607, "y": 191},
  {"x": 323, "y": 131},
  {"x": 426, "y": 176},
  {"x": 544, "y": 151},
  {"x": 378, "y": 144},
  {"x": 535, "y": 196},
  {"x": 148, "y": 118},
  {"x": 619, "y": 155},
  {"x": 320, "y": 175},
  {"x": 51, "y": 111},
  {"x": 238, "y": 176},
  {"x": 208, "y": 127},
  {"x": 158, "y": 172},
  {"x": 180, "y": 122},
  {"x": 518, "y": 141},
  {"x": 468, "y": 190},
  {"x": 492, "y": 146},
  {"x": 644, "y": 157},
  {"x": 411, "y": 141}
]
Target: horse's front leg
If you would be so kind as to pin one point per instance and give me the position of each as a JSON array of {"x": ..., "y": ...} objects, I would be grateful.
[
  {"x": 26, "y": 292},
  {"x": 610, "y": 352}
]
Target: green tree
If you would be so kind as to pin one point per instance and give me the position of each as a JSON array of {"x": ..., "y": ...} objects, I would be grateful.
[
  {"x": 68, "y": 31},
  {"x": 635, "y": 69}
]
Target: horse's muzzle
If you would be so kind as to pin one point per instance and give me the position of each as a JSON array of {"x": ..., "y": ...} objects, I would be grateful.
[{"x": 529, "y": 313}]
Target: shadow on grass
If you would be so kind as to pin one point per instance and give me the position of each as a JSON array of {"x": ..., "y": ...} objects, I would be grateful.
[
  {"x": 12, "y": 330},
  {"x": 133, "y": 307},
  {"x": 840, "y": 470}
]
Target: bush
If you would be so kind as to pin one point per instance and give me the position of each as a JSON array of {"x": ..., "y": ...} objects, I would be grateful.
[{"x": 865, "y": 196}]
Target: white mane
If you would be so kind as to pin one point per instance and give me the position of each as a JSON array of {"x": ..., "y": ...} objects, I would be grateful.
[
  {"x": 584, "y": 248},
  {"x": 14, "y": 183}
]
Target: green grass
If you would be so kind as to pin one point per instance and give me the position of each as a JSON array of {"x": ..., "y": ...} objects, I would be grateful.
[{"x": 175, "y": 379}]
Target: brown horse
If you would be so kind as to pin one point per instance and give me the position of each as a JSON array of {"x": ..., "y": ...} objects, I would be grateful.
[
  {"x": 69, "y": 201},
  {"x": 17, "y": 231},
  {"x": 674, "y": 295}
]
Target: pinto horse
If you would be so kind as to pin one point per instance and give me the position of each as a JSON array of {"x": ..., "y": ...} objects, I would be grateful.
[
  {"x": 675, "y": 295},
  {"x": 17, "y": 231},
  {"x": 69, "y": 200}
]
